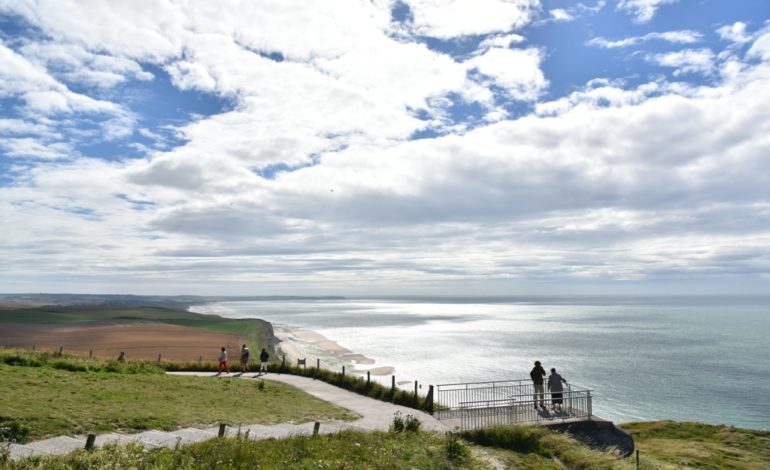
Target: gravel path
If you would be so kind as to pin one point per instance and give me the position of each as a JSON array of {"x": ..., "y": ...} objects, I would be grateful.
[{"x": 374, "y": 415}]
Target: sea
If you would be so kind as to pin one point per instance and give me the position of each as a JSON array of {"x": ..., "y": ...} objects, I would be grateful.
[{"x": 704, "y": 359}]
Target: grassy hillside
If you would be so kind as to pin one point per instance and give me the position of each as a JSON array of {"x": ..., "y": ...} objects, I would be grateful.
[
  {"x": 667, "y": 444},
  {"x": 101, "y": 396},
  {"x": 76, "y": 395},
  {"x": 522, "y": 447}
]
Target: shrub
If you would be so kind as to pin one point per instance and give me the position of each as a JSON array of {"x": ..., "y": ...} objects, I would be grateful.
[
  {"x": 455, "y": 449},
  {"x": 408, "y": 423},
  {"x": 525, "y": 439},
  {"x": 398, "y": 422},
  {"x": 12, "y": 430}
]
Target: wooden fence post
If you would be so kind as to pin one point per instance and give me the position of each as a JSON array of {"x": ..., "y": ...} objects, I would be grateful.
[
  {"x": 90, "y": 441},
  {"x": 90, "y": 353},
  {"x": 392, "y": 388},
  {"x": 429, "y": 399},
  {"x": 222, "y": 429},
  {"x": 368, "y": 379},
  {"x": 316, "y": 427},
  {"x": 158, "y": 357},
  {"x": 343, "y": 372},
  {"x": 61, "y": 348},
  {"x": 416, "y": 400}
]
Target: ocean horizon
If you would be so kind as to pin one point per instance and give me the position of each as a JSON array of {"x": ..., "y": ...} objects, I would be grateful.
[{"x": 685, "y": 358}]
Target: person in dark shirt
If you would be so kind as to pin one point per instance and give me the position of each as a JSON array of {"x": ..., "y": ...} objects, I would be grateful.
[
  {"x": 245, "y": 358},
  {"x": 537, "y": 375},
  {"x": 263, "y": 357}
]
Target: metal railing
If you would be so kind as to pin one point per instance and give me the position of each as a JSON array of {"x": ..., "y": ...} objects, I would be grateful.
[{"x": 481, "y": 404}]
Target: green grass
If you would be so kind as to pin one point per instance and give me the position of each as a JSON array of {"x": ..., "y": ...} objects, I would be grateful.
[
  {"x": 346, "y": 450},
  {"x": 51, "y": 401},
  {"x": 536, "y": 447},
  {"x": 667, "y": 444}
]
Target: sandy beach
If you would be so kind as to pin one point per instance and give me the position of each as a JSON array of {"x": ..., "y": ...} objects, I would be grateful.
[{"x": 298, "y": 343}]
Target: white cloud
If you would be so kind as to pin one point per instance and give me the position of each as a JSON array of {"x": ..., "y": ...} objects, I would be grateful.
[
  {"x": 515, "y": 70},
  {"x": 73, "y": 63},
  {"x": 504, "y": 41},
  {"x": 143, "y": 29},
  {"x": 560, "y": 14},
  {"x": 687, "y": 61},
  {"x": 33, "y": 148},
  {"x": 735, "y": 32},
  {"x": 760, "y": 49},
  {"x": 676, "y": 37},
  {"x": 448, "y": 19},
  {"x": 643, "y": 10}
]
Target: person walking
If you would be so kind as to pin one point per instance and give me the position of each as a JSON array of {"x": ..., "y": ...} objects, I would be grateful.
[
  {"x": 263, "y": 357},
  {"x": 554, "y": 386},
  {"x": 537, "y": 375},
  {"x": 245, "y": 354},
  {"x": 223, "y": 361}
]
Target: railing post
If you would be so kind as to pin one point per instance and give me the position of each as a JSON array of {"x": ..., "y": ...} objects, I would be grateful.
[
  {"x": 589, "y": 404},
  {"x": 90, "y": 440}
]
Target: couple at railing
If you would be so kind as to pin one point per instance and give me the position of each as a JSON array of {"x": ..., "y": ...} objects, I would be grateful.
[{"x": 554, "y": 386}]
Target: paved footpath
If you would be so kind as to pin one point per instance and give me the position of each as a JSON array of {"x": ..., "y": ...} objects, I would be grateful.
[{"x": 374, "y": 415}]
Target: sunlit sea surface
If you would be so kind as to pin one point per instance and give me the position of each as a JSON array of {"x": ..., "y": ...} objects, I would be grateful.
[{"x": 694, "y": 359}]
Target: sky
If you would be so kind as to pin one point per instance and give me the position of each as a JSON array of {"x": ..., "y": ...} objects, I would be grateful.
[{"x": 377, "y": 147}]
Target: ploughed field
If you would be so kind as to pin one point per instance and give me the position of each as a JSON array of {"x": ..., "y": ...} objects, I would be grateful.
[
  {"x": 138, "y": 341},
  {"x": 140, "y": 332}
]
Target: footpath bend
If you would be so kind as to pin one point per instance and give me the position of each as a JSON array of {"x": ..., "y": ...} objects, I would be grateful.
[{"x": 374, "y": 415}]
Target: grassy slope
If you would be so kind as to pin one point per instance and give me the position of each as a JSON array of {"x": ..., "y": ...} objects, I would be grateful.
[
  {"x": 52, "y": 401},
  {"x": 667, "y": 444},
  {"x": 347, "y": 450}
]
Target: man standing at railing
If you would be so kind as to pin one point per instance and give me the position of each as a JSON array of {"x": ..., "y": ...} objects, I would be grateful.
[
  {"x": 554, "y": 386},
  {"x": 537, "y": 375}
]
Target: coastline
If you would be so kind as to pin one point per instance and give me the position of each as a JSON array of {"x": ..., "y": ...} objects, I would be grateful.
[
  {"x": 297, "y": 342},
  {"x": 301, "y": 343}
]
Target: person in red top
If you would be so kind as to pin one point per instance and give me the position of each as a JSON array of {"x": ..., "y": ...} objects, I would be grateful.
[{"x": 223, "y": 361}]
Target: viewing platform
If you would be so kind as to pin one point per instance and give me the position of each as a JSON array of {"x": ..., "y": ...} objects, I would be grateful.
[{"x": 466, "y": 406}]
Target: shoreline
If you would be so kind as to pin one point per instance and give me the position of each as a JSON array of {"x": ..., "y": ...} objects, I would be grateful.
[{"x": 297, "y": 343}]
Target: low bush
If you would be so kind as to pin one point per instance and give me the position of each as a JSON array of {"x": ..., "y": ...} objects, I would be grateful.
[
  {"x": 12, "y": 430},
  {"x": 525, "y": 439},
  {"x": 72, "y": 363},
  {"x": 455, "y": 450}
]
